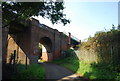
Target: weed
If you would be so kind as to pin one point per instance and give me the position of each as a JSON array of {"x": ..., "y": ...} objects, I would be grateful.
[{"x": 33, "y": 71}]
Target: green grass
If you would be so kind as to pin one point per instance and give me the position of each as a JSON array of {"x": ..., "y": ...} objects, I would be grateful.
[
  {"x": 33, "y": 71},
  {"x": 89, "y": 70},
  {"x": 97, "y": 71},
  {"x": 70, "y": 62},
  {"x": 40, "y": 60}
]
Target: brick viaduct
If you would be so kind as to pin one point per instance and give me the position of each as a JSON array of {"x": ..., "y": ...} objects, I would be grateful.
[{"x": 26, "y": 42}]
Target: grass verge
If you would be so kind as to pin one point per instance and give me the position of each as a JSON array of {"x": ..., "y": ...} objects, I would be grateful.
[
  {"x": 70, "y": 62},
  {"x": 33, "y": 71},
  {"x": 90, "y": 70}
]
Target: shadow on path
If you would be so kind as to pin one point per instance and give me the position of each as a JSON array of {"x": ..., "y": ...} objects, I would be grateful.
[{"x": 58, "y": 73}]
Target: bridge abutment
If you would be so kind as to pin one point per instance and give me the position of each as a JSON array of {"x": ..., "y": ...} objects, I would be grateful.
[{"x": 26, "y": 43}]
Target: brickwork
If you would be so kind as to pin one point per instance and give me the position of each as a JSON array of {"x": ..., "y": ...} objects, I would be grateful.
[{"x": 26, "y": 43}]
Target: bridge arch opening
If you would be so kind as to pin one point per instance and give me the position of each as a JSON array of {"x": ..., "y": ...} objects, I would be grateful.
[{"x": 45, "y": 49}]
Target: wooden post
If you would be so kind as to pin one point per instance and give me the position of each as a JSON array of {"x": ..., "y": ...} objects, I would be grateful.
[
  {"x": 17, "y": 53},
  {"x": 14, "y": 56},
  {"x": 26, "y": 62},
  {"x": 14, "y": 60}
]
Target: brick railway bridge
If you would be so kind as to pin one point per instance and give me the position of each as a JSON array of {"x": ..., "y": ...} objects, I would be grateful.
[{"x": 24, "y": 39}]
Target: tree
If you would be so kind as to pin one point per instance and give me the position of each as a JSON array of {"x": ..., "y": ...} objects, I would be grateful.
[
  {"x": 16, "y": 10},
  {"x": 119, "y": 27}
]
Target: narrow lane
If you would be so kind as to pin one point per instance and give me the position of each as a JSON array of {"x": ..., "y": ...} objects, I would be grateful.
[
  {"x": 59, "y": 73},
  {"x": 54, "y": 71}
]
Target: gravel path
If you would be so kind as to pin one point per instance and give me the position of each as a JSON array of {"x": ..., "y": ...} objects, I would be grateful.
[{"x": 58, "y": 73}]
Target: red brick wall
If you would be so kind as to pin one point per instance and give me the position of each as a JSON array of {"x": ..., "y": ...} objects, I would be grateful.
[
  {"x": 20, "y": 54},
  {"x": 26, "y": 44}
]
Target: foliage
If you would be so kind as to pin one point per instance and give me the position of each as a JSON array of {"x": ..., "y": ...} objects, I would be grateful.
[
  {"x": 104, "y": 47},
  {"x": 41, "y": 61},
  {"x": 71, "y": 63},
  {"x": 95, "y": 71},
  {"x": 119, "y": 27},
  {"x": 39, "y": 45},
  {"x": 16, "y": 10},
  {"x": 78, "y": 45},
  {"x": 98, "y": 71},
  {"x": 33, "y": 71},
  {"x": 70, "y": 52},
  {"x": 99, "y": 57}
]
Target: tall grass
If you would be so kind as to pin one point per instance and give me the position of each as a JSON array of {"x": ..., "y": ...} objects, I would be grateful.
[
  {"x": 72, "y": 63},
  {"x": 91, "y": 70},
  {"x": 99, "y": 57},
  {"x": 33, "y": 71},
  {"x": 103, "y": 47}
]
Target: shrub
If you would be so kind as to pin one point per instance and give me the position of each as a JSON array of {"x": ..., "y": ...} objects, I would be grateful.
[
  {"x": 33, "y": 71},
  {"x": 104, "y": 47}
]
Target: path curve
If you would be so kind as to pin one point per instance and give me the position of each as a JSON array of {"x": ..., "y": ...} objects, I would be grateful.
[{"x": 59, "y": 73}]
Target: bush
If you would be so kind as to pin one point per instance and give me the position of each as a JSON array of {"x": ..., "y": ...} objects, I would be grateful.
[
  {"x": 95, "y": 71},
  {"x": 71, "y": 62},
  {"x": 33, "y": 71},
  {"x": 103, "y": 47}
]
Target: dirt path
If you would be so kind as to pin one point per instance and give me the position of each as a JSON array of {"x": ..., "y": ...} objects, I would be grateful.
[{"x": 58, "y": 73}]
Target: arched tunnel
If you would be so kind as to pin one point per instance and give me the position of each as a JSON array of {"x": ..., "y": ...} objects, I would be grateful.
[{"x": 46, "y": 46}]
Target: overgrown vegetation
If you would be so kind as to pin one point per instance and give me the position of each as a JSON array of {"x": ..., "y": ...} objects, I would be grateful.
[
  {"x": 52, "y": 10},
  {"x": 32, "y": 72},
  {"x": 98, "y": 58},
  {"x": 90, "y": 70},
  {"x": 70, "y": 62},
  {"x": 98, "y": 71},
  {"x": 103, "y": 47}
]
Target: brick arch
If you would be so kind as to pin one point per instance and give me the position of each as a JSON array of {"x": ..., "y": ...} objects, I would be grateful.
[
  {"x": 46, "y": 45},
  {"x": 26, "y": 42},
  {"x": 46, "y": 41}
]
